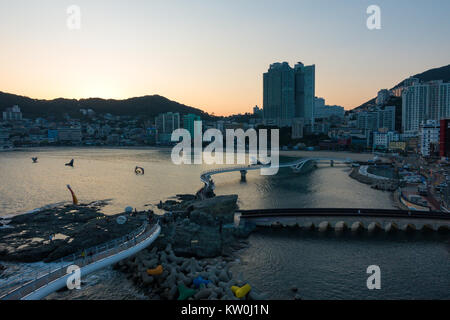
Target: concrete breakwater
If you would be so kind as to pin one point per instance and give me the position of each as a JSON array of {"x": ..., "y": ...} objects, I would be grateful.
[
  {"x": 180, "y": 273},
  {"x": 196, "y": 244},
  {"x": 363, "y": 225},
  {"x": 377, "y": 182}
]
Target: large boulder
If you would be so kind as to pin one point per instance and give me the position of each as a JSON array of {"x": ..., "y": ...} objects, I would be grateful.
[{"x": 220, "y": 207}]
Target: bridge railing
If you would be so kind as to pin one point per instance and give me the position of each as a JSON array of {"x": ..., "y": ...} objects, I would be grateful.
[
  {"x": 55, "y": 270},
  {"x": 212, "y": 171}
]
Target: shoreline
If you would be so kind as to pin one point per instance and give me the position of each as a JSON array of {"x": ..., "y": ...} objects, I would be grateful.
[
  {"x": 388, "y": 185},
  {"x": 208, "y": 257},
  {"x": 43, "y": 148}
]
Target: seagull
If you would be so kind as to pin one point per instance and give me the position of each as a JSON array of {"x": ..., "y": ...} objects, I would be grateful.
[{"x": 70, "y": 164}]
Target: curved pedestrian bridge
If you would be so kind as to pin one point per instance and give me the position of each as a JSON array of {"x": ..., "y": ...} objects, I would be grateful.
[
  {"x": 40, "y": 283},
  {"x": 296, "y": 165}
]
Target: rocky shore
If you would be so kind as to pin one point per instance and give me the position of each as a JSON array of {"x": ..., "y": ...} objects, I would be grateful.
[
  {"x": 193, "y": 254},
  {"x": 26, "y": 238},
  {"x": 384, "y": 185}
]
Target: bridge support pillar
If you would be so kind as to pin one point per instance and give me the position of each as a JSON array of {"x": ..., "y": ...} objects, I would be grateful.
[{"x": 243, "y": 175}]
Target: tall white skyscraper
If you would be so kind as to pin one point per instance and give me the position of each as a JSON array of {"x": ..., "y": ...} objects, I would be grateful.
[
  {"x": 289, "y": 93},
  {"x": 424, "y": 101},
  {"x": 278, "y": 99},
  {"x": 305, "y": 92},
  {"x": 429, "y": 136}
]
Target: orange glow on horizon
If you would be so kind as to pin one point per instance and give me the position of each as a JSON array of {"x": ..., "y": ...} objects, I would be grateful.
[{"x": 211, "y": 55}]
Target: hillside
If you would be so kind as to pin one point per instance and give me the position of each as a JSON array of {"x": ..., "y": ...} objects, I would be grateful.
[
  {"x": 442, "y": 73},
  {"x": 146, "y": 106}
]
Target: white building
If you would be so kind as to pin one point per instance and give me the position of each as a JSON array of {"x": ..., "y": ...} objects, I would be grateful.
[
  {"x": 321, "y": 110},
  {"x": 12, "y": 114},
  {"x": 381, "y": 140},
  {"x": 424, "y": 101},
  {"x": 428, "y": 136}
]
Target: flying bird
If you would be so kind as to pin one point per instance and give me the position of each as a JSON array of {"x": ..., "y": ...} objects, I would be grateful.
[{"x": 70, "y": 164}]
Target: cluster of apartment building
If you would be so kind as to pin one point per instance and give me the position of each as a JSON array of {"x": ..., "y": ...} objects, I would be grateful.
[
  {"x": 95, "y": 129},
  {"x": 425, "y": 108},
  {"x": 412, "y": 123},
  {"x": 18, "y": 131},
  {"x": 411, "y": 117}
]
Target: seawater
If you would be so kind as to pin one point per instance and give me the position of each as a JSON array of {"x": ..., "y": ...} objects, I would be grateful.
[{"x": 321, "y": 266}]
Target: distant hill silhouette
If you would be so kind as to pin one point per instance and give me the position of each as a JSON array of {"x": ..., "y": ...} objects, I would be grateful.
[
  {"x": 442, "y": 73},
  {"x": 147, "y": 106}
]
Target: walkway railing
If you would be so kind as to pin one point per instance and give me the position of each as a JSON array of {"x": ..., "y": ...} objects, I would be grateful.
[
  {"x": 23, "y": 284},
  {"x": 228, "y": 169}
]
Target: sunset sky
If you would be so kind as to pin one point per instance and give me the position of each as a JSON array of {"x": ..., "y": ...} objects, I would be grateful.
[{"x": 211, "y": 54}]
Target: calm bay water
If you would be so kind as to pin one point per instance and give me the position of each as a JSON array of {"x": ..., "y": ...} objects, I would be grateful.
[
  {"x": 321, "y": 267},
  {"x": 334, "y": 267},
  {"x": 101, "y": 174}
]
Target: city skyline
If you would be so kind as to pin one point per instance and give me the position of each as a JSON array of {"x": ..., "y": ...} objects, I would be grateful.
[{"x": 212, "y": 56}]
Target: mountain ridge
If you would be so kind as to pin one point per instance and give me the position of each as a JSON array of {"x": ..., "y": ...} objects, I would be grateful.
[{"x": 147, "y": 106}]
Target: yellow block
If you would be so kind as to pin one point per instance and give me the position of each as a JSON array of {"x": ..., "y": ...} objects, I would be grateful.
[
  {"x": 242, "y": 291},
  {"x": 156, "y": 271}
]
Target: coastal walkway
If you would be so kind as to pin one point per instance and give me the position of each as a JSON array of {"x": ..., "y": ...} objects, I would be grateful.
[{"x": 40, "y": 283}]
